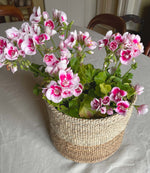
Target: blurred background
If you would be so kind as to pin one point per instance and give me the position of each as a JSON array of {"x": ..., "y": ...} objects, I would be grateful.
[{"x": 82, "y": 11}]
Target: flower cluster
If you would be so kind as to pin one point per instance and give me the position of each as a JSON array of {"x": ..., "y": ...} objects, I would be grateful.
[
  {"x": 74, "y": 88},
  {"x": 126, "y": 46},
  {"x": 116, "y": 96},
  {"x": 67, "y": 86}
]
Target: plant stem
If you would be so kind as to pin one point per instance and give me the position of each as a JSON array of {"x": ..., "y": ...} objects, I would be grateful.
[
  {"x": 127, "y": 72},
  {"x": 40, "y": 51},
  {"x": 53, "y": 43},
  {"x": 35, "y": 69},
  {"x": 67, "y": 33}
]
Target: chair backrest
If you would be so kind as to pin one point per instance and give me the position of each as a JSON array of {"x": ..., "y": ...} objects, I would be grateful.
[
  {"x": 147, "y": 50},
  {"x": 135, "y": 19},
  {"x": 6, "y": 10},
  {"x": 111, "y": 20}
]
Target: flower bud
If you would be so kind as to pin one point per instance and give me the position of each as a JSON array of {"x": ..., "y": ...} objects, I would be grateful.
[
  {"x": 139, "y": 89},
  {"x": 142, "y": 109}
]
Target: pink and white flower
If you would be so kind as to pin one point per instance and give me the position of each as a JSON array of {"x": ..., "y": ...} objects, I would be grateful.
[
  {"x": 122, "y": 107},
  {"x": 35, "y": 29},
  {"x": 25, "y": 28},
  {"x": 55, "y": 13},
  {"x": 82, "y": 36},
  {"x": 40, "y": 39},
  {"x": 56, "y": 67},
  {"x": 101, "y": 44},
  {"x": 49, "y": 27},
  {"x": 49, "y": 23},
  {"x": 62, "y": 45},
  {"x": 3, "y": 44},
  {"x": 110, "y": 111},
  {"x": 137, "y": 49},
  {"x": 105, "y": 41},
  {"x": 106, "y": 100},
  {"x": 60, "y": 15},
  {"x": 65, "y": 54},
  {"x": 49, "y": 31},
  {"x": 126, "y": 56},
  {"x": 19, "y": 41},
  {"x": 45, "y": 15},
  {"x": 142, "y": 109},
  {"x": 139, "y": 89},
  {"x": 13, "y": 33},
  {"x": 50, "y": 59},
  {"x": 118, "y": 38},
  {"x": 71, "y": 40},
  {"x": 22, "y": 53},
  {"x": 36, "y": 15},
  {"x": 117, "y": 94},
  {"x": 78, "y": 90},
  {"x": 103, "y": 110},
  {"x": 109, "y": 34},
  {"x": 67, "y": 93},
  {"x": 54, "y": 92},
  {"x": 113, "y": 45},
  {"x": 28, "y": 46},
  {"x": 66, "y": 78},
  {"x": 85, "y": 39},
  {"x": 90, "y": 44},
  {"x": 13, "y": 69},
  {"x": 96, "y": 104},
  {"x": 11, "y": 52},
  {"x": 62, "y": 37}
]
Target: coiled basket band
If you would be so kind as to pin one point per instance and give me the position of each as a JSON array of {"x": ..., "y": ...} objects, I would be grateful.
[{"x": 87, "y": 140}]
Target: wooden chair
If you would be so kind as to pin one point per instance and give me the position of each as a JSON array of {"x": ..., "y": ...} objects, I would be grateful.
[
  {"x": 147, "y": 50},
  {"x": 6, "y": 10},
  {"x": 111, "y": 20}
]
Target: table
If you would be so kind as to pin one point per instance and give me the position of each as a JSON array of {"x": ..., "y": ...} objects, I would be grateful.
[{"x": 25, "y": 146}]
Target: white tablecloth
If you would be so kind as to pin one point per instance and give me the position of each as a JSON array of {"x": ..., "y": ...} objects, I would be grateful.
[{"x": 25, "y": 146}]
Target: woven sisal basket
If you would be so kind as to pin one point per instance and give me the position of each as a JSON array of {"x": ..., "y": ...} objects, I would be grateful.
[{"x": 87, "y": 140}]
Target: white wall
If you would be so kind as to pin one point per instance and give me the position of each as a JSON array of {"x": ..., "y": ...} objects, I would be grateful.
[{"x": 81, "y": 11}]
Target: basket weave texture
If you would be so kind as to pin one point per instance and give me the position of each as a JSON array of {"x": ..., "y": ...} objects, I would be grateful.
[{"x": 86, "y": 140}]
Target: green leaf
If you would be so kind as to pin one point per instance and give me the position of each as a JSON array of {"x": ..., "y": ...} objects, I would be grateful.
[
  {"x": 131, "y": 92},
  {"x": 128, "y": 75},
  {"x": 73, "y": 109},
  {"x": 100, "y": 77},
  {"x": 117, "y": 80},
  {"x": 125, "y": 86},
  {"x": 85, "y": 110},
  {"x": 118, "y": 72},
  {"x": 36, "y": 65},
  {"x": 87, "y": 73},
  {"x": 105, "y": 88},
  {"x": 126, "y": 78},
  {"x": 97, "y": 91},
  {"x": 70, "y": 25},
  {"x": 134, "y": 66},
  {"x": 74, "y": 64}
]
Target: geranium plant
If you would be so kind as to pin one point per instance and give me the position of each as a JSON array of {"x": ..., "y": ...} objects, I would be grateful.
[{"x": 74, "y": 88}]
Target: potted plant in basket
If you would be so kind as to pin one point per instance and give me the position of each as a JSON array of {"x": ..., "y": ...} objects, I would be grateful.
[{"x": 88, "y": 107}]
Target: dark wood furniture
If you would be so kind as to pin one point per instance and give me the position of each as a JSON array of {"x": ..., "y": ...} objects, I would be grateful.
[
  {"x": 25, "y": 6},
  {"x": 6, "y": 10},
  {"x": 147, "y": 49},
  {"x": 111, "y": 20}
]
